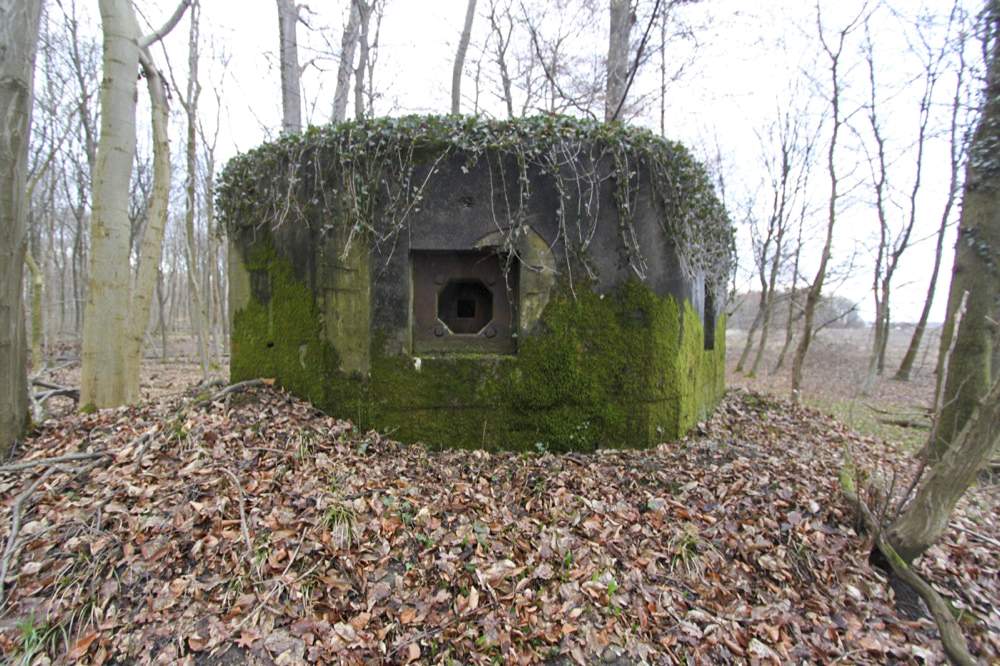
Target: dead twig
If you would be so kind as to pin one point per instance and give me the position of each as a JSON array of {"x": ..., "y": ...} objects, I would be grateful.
[
  {"x": 146, "y": 440},
  {"x": 278, "y": 584},
  {"x": 982, "y": 537},
  {"x": 243, "y": 514},
  {"x": 430, "y": 632},
  {"x": 71, "y": 457},
  {"x": 914, "y": 412},
  {"x": 15, "y": 525}
]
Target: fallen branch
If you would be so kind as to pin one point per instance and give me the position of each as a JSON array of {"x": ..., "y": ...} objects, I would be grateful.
[
  {"x": 917, "y": 412},
  {"x": 55, "y": 389},
  {"x": 982, "y": 537},
  {"x": 15, "y": 525},
  {"x": 906, "y": 423},
  {"x": 951, "y": 634},
  {"x": 146, "y": 440},
  {"x": 71, "y": 457},
  {"x": 232, "y": 388},
  {"x": 243, "y": 514}
]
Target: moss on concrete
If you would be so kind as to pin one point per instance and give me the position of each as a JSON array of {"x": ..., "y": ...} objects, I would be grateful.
[
  {"x": 278, "y": 332},
  {"x": 626, "y": 369}
]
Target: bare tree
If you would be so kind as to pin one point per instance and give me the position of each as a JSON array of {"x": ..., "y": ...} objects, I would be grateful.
[
  {"x": 894, "y": 240},
  {"x": 19, "y": 23},
  {"x": 787, "y": 152},
  {"x": 501, "y": 31},
  {"x": 291, "y": 88},
  {"x": 833, "y": 49},
  {"x": 348, "y": 43},
  {"x": 463, "y": 46},
  {"x": 622, "y": 19},
  {"x": 957, "y": 144},
  {"x": 118, "y": 303},
  {"x": 189, "y": 101}
]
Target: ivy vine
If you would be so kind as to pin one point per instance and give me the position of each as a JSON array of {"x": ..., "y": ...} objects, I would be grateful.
[{"x": 371, "y": 176}]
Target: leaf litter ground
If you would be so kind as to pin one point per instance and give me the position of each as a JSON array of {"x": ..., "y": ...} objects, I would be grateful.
[{"x": 254, "y": 529}]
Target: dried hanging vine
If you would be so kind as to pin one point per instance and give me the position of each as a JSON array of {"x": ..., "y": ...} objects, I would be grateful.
[{"x": 369, "y": 177}]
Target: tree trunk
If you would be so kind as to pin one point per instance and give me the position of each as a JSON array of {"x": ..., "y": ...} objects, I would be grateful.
[
  {"x": 790, "y": 320},
  {"x": 214, "y": 241},
  {"x": 348, "y": 43},
  {"x": 765, "y": 327},
  {"x": 463, "y": 46},
  {"x": 926, "y": 516},
  {"x": 151, "y": 247},
  {"x": 972, "y": 368},
  {"x": 502, "y": 44},
  {"x": 816, "y": 288},
  {"x": 37, "y": 286},
  {"x": 748, "y": 345},
  {"x": 19, "y": 23},
  {"x": 190, "y": 103},
  {"x": 291, "y": 95},
  {"x": 364, "y": 14},
  {"x": 117, "y": 309},
  {"x": 161, "y": 301},
  {"x": 618, "y": 43},
  {"x": 105, "y": 325}
]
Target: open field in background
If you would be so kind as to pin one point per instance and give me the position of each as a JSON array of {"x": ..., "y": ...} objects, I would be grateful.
[{"x": 834, "y": 370}]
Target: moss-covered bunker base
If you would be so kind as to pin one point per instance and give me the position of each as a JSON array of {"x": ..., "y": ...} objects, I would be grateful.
[{"x": 610, "y": 371}]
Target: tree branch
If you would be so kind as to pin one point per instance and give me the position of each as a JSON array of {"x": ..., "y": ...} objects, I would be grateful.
[
  {"x": 951, "y": 634},
  {"x": 148, "y": 40}
]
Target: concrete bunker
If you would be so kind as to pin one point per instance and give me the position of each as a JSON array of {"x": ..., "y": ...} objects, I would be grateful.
[{"x": 541, "y": 283}]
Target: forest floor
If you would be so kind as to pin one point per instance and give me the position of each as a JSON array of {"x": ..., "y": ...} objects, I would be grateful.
[{"x": 250, "y": 528}]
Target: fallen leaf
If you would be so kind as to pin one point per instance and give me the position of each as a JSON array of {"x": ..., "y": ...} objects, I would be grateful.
[{"x": 81, "y": 646}]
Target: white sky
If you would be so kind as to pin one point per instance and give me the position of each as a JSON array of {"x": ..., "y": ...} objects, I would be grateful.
[{"x": 745, "y": 61}]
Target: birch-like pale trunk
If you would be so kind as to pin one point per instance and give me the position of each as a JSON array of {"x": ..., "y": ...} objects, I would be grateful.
[
  {"x": 348, "y": 43},
  {"x": 364, "y": 13},
  {"x": 190, "y": 103},
  {"x": 463, "y": 46},
  {"x": 291, "y": 95},
  {"x": 103, "y": 380},
  {"x": 117, "y": 308},
  {"x": 37, "y": 323},
  {"x": 151, "y": 248},
  {"x": 19, "y": 23}
]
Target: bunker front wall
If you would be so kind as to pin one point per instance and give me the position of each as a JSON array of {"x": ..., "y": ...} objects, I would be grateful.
[{"x": 605, "y": 346}]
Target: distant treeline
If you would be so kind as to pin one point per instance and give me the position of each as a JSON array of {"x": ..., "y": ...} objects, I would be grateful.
[{"x": 832, "y": 311}]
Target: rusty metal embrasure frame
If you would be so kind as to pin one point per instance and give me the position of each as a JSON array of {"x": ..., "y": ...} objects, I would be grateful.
[{"x": 467, "y": 279}]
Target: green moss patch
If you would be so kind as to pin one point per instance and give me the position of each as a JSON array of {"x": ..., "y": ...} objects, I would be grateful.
[{"x": 613, "y": 371}]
